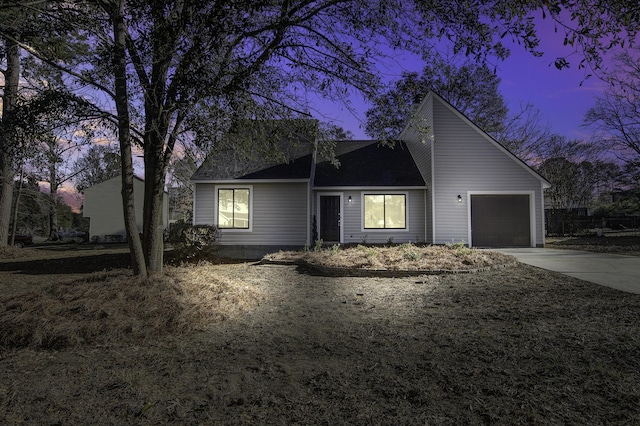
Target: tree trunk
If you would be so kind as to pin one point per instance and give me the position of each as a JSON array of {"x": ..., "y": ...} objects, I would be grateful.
[
  {"x": 6, "y": 197},
  {"x": 15, "y": 209},
  {"x": 153, "y": 231},
  {"x": 124, "y": 137},
  {"x": 11, "y": 80},
  {"x": 155, "y": 166},
  {"x": 53, "y": 203}
]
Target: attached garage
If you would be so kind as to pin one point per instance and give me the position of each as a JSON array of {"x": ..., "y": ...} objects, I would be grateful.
[{"x": 501, "y": 220}]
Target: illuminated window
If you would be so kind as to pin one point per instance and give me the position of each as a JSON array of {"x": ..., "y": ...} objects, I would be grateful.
[
  {"x": 385, "y": 211},
  {"x": 233, "y": 208}
]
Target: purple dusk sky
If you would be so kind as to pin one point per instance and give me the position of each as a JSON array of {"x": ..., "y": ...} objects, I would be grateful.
[{"x": 558, "y": 94}]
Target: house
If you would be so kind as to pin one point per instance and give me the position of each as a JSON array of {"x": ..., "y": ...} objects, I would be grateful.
[
  {"x": 103, "y": 205},
  {"x": 443, "y": 181}
]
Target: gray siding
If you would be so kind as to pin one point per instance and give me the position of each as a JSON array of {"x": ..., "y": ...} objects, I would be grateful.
[
  {"x": 203, "y": 212},
  {"x": 279, "y": 214},
  {"x": 419, "y": 139},
  {"x": 352, "y": 219},
  {"x": 466, "y": 161},
  {"x": 428, "y": 215}
]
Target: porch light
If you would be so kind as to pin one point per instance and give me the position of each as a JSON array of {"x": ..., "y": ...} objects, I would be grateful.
[
  {"x": 350, "y": 199},
  {"x": 459, "y": 198}
]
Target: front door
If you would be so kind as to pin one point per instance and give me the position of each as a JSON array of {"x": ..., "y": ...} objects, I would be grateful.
[{"x": 330, "y": 218}]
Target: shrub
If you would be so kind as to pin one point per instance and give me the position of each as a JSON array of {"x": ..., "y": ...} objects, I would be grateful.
[
  {"x": 366, "y": 251},
  {"x": 193, "y": 240},
  {"x": 410, "y": 252},
  {"x": 412, "y": 255},
  {"x": 460, "y": 249}
]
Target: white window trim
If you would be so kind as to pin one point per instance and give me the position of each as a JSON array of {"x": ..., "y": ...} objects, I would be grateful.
[
  {"x": 215, "y": 208},
  {"x": 385, "y": 192}
]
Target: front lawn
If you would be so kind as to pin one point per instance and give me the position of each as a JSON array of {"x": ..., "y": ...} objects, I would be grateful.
[{"x": 249, "y": 343}]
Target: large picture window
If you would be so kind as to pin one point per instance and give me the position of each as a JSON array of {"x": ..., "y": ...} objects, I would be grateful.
[
  {"x": 385, "y": 211},
  {"x": 233, "y": 208}
]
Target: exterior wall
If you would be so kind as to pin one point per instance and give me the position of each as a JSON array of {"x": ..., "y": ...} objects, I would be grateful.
[
  {"x": 352, "y": 216},
  {"x": 103, "y": 204},
  {"x": 278, "y": 214},
  {"x": 428, "y": 216},
  {"x": 419, "y": 140},
  {"x": 204, "y": 204},
  {"x": 466, "y": 162}
]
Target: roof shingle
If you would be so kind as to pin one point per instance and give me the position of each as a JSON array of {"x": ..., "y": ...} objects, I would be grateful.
[{"x": 370, "y": 164}]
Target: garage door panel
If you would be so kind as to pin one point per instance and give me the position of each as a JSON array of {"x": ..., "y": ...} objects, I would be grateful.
[{"x": 502, "y": 220}]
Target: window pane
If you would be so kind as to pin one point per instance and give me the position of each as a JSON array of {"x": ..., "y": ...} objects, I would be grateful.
[
  {"x": 394, "y": 211},
  {"x": 233, "y": 208},
  {"x": 225, "y": 208},
  {"x": 241, "y": 209},
  {"x": 374, "y": 211}
]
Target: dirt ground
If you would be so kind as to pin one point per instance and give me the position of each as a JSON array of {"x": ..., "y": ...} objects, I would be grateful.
[{"x": 516, "y": 345}]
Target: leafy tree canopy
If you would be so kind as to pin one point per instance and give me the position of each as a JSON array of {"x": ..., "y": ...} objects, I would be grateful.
[
  {"x": 99, "y": 163},
  {"x": 471, "y": 88}
]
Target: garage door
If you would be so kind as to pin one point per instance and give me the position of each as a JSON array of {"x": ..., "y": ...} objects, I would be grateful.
[{"x": 500, "y": 221}]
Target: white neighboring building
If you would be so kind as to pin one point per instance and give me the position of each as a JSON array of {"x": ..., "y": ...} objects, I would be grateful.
[{"x": 103, "y": 205}]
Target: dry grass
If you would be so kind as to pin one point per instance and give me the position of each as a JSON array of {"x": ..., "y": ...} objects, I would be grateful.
[
  {"x": 114, "y": 306},
  {"x": 508, "y": 346},
  {"x": 405, "y": 257},
  {"x": 9, "y": 252},
  {"x": 515, "y": 345},
  {"x": 624, "y": 244}
]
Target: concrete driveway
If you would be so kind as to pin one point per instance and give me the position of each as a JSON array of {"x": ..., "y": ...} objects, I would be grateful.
[{"x": 611, "y": 270}]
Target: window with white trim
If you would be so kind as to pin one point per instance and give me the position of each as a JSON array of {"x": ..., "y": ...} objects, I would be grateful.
[
  {"x": 385, "y": 211},
  {"x": 233, "y": 208}
]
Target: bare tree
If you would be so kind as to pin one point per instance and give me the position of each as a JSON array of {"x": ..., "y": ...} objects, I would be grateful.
[
  {"x": 616, "y": 115},
  {"x": 525, "y": 135},
  {"x": 575, "y": 170}
]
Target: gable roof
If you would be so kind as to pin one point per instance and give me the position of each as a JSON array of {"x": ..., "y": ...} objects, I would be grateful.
[
  {"x": 428, "y": 102},
  {"x": 297, "y": 168},
  {"x": 252, "y": 147},
  {"x": 367, "y": 163}
]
